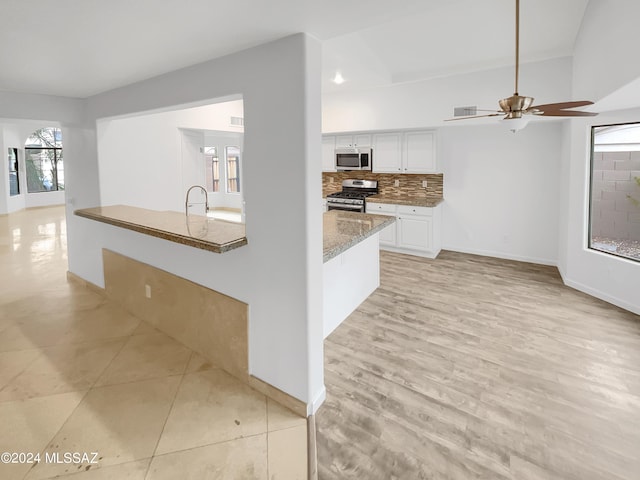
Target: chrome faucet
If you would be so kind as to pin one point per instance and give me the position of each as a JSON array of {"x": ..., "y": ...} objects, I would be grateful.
[{"x": 206, "y": 200}]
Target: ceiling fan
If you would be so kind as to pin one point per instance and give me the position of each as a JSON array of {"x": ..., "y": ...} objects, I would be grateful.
[{"x": 516, "y": 106}]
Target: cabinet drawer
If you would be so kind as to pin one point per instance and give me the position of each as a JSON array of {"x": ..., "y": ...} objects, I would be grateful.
[
  {"x": 411, "y": 210},
  {"x": 382, "y": 208}
]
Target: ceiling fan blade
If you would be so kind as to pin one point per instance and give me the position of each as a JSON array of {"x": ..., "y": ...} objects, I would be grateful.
[
  {"x": 562, "y": 105},
  {"x": 566, "y": 113},
  {"x": 474, "y": 116}
]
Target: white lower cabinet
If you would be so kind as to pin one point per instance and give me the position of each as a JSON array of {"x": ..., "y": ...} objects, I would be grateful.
[
  {"x": 417, "y": 230},
  {"x": 388, "y": 235}
]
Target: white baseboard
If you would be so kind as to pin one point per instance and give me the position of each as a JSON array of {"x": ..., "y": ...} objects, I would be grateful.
[
  {"x": 506, "y": 256},
  {"x": 406, "y": 251},
  {"x": 601, "y": 295},
  {"x": 312, "y": 408}
]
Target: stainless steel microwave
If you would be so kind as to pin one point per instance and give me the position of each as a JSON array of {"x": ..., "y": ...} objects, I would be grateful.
[{"x": 354, "y": 158}]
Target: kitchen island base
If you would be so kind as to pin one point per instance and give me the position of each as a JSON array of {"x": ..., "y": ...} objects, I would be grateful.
[{"x": 348, "y": 279}]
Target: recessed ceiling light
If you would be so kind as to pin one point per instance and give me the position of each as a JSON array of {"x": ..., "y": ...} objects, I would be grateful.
[{"x": 338, "y": 79}]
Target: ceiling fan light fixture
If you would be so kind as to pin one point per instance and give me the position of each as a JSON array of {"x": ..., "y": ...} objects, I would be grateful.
[{"x": 515, "y": 123}]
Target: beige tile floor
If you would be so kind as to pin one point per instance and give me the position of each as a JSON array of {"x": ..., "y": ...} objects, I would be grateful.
[{"x": 80, "y": 374}]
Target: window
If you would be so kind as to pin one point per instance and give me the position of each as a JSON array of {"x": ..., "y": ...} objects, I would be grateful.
[
  {"x": 43, "y": 160},
  {"x": 614, "y": 214},
  {"x": 212, "y": 169},
  {"x": 232, "y": 155},
  {"x": 14, "y": 180}
]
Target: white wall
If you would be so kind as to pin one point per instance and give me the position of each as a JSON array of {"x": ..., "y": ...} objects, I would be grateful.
[
  {"x": 10, "y": 203},
  {"x": 141, "y": 157},
  {"x": 41, "y": 108},
  {"x": 502, "y": 190},
  {"x": 563, "y": 200},
  {"x": 428, "y": 103},
  {"x": 614, "y": 279},
  {"x": 279, "y": 273},
  {"x": 603, "y": 67},
  {"x": 606, "y": 49}
]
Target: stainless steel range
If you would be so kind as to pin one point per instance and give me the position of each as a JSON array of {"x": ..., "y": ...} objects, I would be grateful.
[{"x": 352, "y": 196}]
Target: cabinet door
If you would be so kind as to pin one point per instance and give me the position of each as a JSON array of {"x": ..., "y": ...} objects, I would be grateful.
[
  {"x": 387, "y": 150},
  {"x": 388, "y": 235},
  {"x": 415, "y": 232},
  {"x": 344, "y": 141},
  {"x": 328, "y": 153},
  {"x": 362, "y": 140},
  {"x": 419, "y": 152}
]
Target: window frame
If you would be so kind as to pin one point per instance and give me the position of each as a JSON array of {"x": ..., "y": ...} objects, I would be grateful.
[
  {"x": 16, "y": 171},
  {"x": 58, "y": 160},
  {"x": 229, "y": 178},
  {"x": 590, "y": 193},
  {"x": 215, "y": 161}
]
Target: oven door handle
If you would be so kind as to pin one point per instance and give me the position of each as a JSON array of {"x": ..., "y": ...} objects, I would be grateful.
[{"x": 349, "y": 206}]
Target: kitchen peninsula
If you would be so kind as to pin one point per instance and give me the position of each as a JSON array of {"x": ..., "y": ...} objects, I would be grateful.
[
  {"x": 351, "y": 270},
  {"x": 194, "y": 230}
]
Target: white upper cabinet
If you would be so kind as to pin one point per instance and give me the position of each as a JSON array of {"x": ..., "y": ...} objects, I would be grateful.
[
  {"x": 411, "y": 151},
  {"x": 362, "y": 140},
  {"x": 328, "y": 153},
  {"x": 405, "y": 152},
  {"x": 359, "y": 140},
  {"x": 419, "y": 152},
  {"x": 387, "y": 152}
]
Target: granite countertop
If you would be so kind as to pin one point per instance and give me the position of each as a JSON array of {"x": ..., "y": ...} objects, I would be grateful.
[
  {"x": 342, "y": 230},
  {"x": 195, "y": 231},
  {"x": 406, "y": 200}
]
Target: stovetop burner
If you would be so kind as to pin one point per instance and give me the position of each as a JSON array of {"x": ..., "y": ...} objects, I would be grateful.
[
  {"x": 356, "y": 189},
  {"x": 349, "y": 194}
]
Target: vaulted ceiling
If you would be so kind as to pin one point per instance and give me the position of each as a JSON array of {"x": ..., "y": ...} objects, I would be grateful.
[{"x": 78, "y": 48}]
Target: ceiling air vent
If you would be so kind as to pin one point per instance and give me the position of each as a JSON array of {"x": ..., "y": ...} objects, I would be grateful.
[
  {"x": 237, "y": 122},
  {"x": 465, "y": 111}
]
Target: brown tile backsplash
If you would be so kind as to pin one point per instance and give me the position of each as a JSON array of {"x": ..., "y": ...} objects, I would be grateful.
[{"x": 410, "y": 184}]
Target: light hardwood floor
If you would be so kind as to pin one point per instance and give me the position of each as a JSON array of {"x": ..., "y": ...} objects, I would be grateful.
[{"x": 470, "y": 367}]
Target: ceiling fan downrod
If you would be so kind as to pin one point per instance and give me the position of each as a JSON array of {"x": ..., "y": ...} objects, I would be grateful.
[{"x": 517, "y": 44}]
